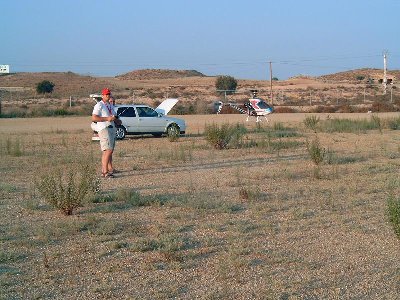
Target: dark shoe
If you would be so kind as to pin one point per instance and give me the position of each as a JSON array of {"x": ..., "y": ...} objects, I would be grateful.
[
  {"x": 115, "y": 171},
  {"x": 107, "y": 175}
]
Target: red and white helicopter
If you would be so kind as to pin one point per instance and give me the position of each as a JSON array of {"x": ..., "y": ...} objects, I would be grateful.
[{"x": 254, "y": 107}]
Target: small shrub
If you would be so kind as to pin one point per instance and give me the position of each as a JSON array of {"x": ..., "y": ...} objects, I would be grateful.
[
  {"x": 394, "y": 214},
  {"x": 317, "y": 155},
  {"x": 316, "y": 151},
  {"x": 360, "y": 77},
  {"x": 221, "y": 137},
  {"x": 67, "y": 191}
]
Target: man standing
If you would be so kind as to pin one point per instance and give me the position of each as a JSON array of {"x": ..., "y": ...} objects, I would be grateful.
[{"x": 103, "y": 113}]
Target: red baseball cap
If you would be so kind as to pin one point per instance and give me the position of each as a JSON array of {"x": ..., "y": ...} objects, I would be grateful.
[{"x": 106, "y": 91}]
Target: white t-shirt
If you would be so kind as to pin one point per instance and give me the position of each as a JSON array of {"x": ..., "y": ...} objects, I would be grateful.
[{"x": 102, "y": 109}]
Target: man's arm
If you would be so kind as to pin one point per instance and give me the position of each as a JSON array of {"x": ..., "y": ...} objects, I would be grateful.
[{"x": 96, "y": 118}]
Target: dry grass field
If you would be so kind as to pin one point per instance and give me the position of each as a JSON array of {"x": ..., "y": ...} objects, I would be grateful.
[
  {"x": 183, "y": 220},
  {"x": 350, "y": 91}
]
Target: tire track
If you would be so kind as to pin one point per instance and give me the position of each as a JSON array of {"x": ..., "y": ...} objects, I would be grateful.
[{"x": 216, "y": 165}]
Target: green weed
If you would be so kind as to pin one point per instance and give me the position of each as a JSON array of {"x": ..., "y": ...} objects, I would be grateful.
[
  {"x": 351, "y": 126},
  {"x": 7, "y": 257},
  {"x": 393, "y": 209},
  {"x": 281, "y": 131},
  {"x": 7, "y": 188}
]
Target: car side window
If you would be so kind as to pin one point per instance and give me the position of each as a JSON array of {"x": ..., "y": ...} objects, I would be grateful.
[
  {"x": 146, "y": 112},
  {"x": 126, "y": 112}
]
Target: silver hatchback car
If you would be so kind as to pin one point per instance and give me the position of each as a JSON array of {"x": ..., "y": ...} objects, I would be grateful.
[{"x": 142, "y": 119}]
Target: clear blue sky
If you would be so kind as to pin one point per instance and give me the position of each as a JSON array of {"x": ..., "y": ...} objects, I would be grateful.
[{"x": 215, "y": 37}]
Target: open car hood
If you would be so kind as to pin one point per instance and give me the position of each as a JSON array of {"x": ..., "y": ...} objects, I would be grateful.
[{"x": 165, "y": 107}]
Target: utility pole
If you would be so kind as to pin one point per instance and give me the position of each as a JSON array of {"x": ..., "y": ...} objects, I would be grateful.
[
  {"x": 270, "y": 80},
  {"x": 384, "y": 71},
  {"x": 391, "y": 93}
]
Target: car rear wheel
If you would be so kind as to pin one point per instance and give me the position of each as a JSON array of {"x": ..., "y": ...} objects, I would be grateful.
[{"x": 121, "y": 133}]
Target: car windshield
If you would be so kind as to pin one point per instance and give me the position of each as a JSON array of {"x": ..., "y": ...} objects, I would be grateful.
[{"x": 146, "y": 112}]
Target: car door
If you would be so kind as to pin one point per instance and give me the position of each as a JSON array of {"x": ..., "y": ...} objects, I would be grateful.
[
  {"x": 127, "y": 115},
  {"x": 149, "y": 121}
]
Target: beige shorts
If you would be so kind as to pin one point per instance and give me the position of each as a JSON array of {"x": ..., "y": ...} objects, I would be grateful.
[{"x": 107, "y": 139}]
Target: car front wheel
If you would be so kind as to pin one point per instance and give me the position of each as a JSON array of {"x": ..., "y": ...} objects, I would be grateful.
[
  {"x": 121, "y": 133},
  {"x": 173, "y": 130}
]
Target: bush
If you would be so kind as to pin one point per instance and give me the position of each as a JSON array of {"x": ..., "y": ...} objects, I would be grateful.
[
  {"x": 227, "y": 83},
  {"x": 221, "y": 137},
  {"x": 316, "y": 151},
  {"x": 67, "y": 191},
  {"x": 44, "y": 87},
  {"x": 317, "y": 155}
]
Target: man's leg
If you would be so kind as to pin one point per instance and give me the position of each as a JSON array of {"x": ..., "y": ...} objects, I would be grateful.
[
  {"x": 110, "y": 167},
  {"x": 105, "y": 160},
  {"x": 107, "y": 144},
  {"x": 113, "y": 134}
]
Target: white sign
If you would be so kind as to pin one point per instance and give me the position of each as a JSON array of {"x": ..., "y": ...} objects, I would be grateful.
[{"x": 4, "y": 68}]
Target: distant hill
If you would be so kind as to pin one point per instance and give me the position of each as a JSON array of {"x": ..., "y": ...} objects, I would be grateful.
[
  {"x": 354, "y": 75},
  {"x": 158, "y": 74},
  {"x": 66, "y": 83}
]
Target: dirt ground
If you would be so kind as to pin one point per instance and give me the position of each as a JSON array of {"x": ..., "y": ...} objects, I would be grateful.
[{"x": 249, "y": 222}]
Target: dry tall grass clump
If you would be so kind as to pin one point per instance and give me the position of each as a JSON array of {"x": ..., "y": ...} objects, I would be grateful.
[{"x": 311, "y": 122}]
